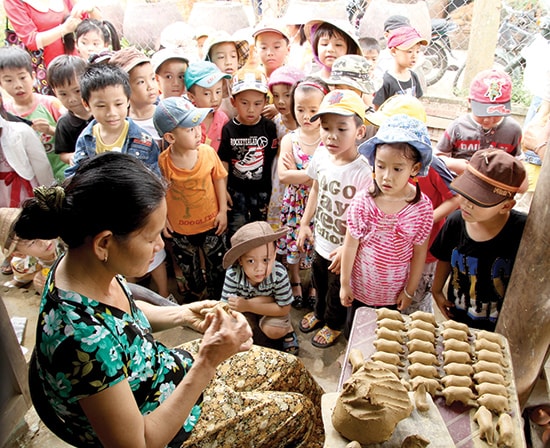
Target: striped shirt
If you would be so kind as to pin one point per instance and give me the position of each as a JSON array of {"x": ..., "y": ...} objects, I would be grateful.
[{"x": 276, "y": 285}]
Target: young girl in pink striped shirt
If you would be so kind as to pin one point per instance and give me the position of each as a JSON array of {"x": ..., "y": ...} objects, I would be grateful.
[{"x": 388, "y": 226}]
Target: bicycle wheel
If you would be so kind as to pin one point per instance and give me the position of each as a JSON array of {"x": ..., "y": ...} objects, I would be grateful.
[{"x": 435, "y": 62}]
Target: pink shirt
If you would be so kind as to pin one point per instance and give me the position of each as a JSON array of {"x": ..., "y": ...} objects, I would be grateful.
[
  {"x": 213, "y": 136},
  {"x": 386, "y": 242}
]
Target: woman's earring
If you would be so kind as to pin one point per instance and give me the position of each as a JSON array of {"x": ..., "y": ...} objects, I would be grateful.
[{"x": 105, "y": 258}]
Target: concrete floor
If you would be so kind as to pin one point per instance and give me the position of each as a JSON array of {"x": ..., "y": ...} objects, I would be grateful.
[{"x": 324, "y": 364}]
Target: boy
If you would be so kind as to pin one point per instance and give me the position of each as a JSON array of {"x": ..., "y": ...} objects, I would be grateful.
[
  {"x": 477, "y": 246},
  {"x": 204, "y": 82},
  {"x": 258, "y": 285},
  {"x": 371, "y": 51},
  {"x": 63, "y": 77},
  {"x": 338, "y": 172},
  {"x": 17, "y": 78},
  {"x": 143, "y": 86},
  {"x": 404, "y": 44},
  {"x": 105, "y": 91},
  {"x": 247, "y": 149},
  {"x": 197, "y": 196},
  {"x": 272, "y": 46},
  {"x": 487, "y": 126},
  {"x": 169, "y": 66}
]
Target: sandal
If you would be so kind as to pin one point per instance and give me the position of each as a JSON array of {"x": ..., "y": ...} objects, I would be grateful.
[
  {"x": 6, "y": 267},
  {"x": 311, "y": 299},
  {"x": 298, "y": 302},
  {"x": 290, "y": 344},
  {"x": 309, "y": 323},
  {"x": 328, "y": 335}
]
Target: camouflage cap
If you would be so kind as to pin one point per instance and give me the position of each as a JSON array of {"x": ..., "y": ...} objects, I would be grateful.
[{"x": 353, "y": 71}]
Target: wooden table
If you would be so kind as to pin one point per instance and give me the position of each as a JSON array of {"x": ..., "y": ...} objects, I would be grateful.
[{"x": 457, "y": 417}]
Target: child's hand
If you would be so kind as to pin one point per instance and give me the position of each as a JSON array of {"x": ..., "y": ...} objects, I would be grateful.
[
  {"x": 336, "y": 257},
  {"x": 403, "y": 301},
  {"x": 304, "y": 235},
  {"x": 221, "y": 223},
  {"x": 288, "y": 161},
  {"x": 269, "y": 111},
  {"x": 446, "y": 307},
  {"x": 43, "y": 126},
  {"x": 237, "y": 304},
  {"x": 346, "y": 295}
]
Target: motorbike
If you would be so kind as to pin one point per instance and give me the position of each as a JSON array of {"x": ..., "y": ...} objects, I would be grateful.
[{"x": 438, "y": 52}]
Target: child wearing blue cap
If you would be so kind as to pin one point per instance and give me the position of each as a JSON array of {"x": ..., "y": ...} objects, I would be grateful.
[
  {"x": 204, "y": 82},
  {"x": 196, "y": 196},
  {"x": 389, "y": 224}
]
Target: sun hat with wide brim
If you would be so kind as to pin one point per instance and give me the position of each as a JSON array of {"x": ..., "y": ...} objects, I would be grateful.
[
  {"x": 8, "y": 240},
  {"x": 250, "y": 236},
  {"x": 342, "y": 25}
]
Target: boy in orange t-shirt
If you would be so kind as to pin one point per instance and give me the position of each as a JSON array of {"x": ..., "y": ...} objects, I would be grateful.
[{"x": 196, "y": 198}]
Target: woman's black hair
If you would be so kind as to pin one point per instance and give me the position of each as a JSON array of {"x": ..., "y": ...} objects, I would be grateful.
[
  {"x": 105, "y": 29},
  {"x": 326, "y": 29},
  {"x": 311, "y": 83},
  {"x": 111, "y": 191},
  {"x": 410, "y": 153}
]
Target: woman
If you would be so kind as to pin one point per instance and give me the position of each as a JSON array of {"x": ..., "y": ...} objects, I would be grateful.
[
  {"x": 41, "y": 24},
  {"x": 101, "y": 370}
]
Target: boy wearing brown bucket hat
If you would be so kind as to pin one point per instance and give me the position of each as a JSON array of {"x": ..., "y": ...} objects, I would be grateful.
[
  {"x": 478, "y": 244},
  {"x": 258, "y": 286}
]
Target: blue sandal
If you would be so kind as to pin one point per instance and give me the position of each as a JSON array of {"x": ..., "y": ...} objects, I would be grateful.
[{"x": 290, "y": 344}]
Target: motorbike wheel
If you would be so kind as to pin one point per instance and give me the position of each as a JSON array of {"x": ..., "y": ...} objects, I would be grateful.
[{"x": 435, "y": 62}]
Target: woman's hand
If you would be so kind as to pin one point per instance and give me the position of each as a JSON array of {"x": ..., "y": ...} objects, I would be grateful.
[{"x": 194, "y": 314}]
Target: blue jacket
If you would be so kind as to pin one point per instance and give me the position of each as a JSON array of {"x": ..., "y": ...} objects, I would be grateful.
[{"x": 138, "y": 143}]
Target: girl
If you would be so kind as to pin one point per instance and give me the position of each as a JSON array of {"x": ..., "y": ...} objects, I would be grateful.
[
  {"x": 388, "y": 227},
  {"x": 297, "y": 148},
  {"x": 330, "y": 39},
  {"x": 92, "y": 37},
  {"x": 280, "y": 85}
]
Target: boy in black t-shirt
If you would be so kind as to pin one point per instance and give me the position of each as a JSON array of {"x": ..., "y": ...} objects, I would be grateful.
[
  {"x": 247, "y": 149},
  {"x": 478, "y": 244},
  {"x": 63, "y": 77}
]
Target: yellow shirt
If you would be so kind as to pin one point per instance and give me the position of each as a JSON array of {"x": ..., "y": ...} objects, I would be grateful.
[{"x": 116, "y": 146}]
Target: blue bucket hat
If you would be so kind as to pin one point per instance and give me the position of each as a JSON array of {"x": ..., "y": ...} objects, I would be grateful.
[
  {"x": 402, "y": 128},
  {"x": 204, "y": 74},
  {"x": 177, "y": 112}
]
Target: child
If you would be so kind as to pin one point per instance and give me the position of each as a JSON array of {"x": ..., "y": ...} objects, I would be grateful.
[
  {"x": 105, "y": 91},
  {"x": 257, "y": 285},
  {"x": 280, "y": 85},
  {"x": 272, "y": 46},
  {"x": 338, "y": 172},
  {"x": 405, "y": 47},
  {"x": 487, "y": 126},
  {"x": 478, "y": 244},
  {"x": 371, "y": 51},
  {"x": 143, "y": 87},
  {"x": 330, "y": 39},
  {"x": 388, "y": 225},
  {"x": 197, "y": 196},
  {"x": 30, "y": 259},
  {"x": 248, "y": 147},
  {"x": 297, "y": 149},
  {"x": 63, "y": 77},
  {"x": 94, "y": 36},
  {"x": 205, "y": 82},
  {"x": 16, "y": 78},
  {"x": 169, "y": 66}
]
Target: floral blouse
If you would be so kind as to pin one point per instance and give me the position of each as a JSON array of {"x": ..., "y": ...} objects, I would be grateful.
[{"x": 84, "y": 346}]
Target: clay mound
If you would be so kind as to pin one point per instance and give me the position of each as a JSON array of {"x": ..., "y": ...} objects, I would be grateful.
[{"x": 371, "y": 404}]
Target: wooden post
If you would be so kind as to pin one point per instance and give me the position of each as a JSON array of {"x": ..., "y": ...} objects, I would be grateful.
[
  {"x": 525, "y": 315},
  {"x": 483, "y": 39}
]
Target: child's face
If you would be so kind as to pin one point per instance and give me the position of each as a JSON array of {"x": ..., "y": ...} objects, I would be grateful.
[
  {"x": 185, "y": 138},
  {"x": 346, "y": 87},
  {"x": 90, "y": 43},
  {"x": 41, "y": 249},
  {"x": 143, "y": 85},
  {"x": 339, "y": 134},
  {"x": 306, "y": 105},
  {"x": 170, "y": 78},
  {"x": 487, "y": 122},
  {"x": 273, "y": 50},
  {"x": 372, "y": 57},
  {"x": 406, "y": 58},
  {"x": 225, "y": 56},
  {"x": 258, "y": 263},
  {"x": 200, "y": 46},
  {"x": 392, "y": 170},
  {"x": 17, "y": 82},
  {"x": 109, "y": 106},
  {"x": 474, "y": 213},
  {"x": 69, "y": 95},
  {"x": 207, "y": 97},
  {"x": 329, "y": 48},
  {"x": 249, "y": 105},
  {"x": 281, "y": 98}
]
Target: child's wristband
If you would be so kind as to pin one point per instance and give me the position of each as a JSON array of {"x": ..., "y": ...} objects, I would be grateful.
[{"x": 407, "y": 295}]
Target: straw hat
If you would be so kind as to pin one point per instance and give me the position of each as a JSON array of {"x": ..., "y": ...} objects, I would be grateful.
[
  {"x": 250, "y": 236},
  {"x": 8, "y": 218}
]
